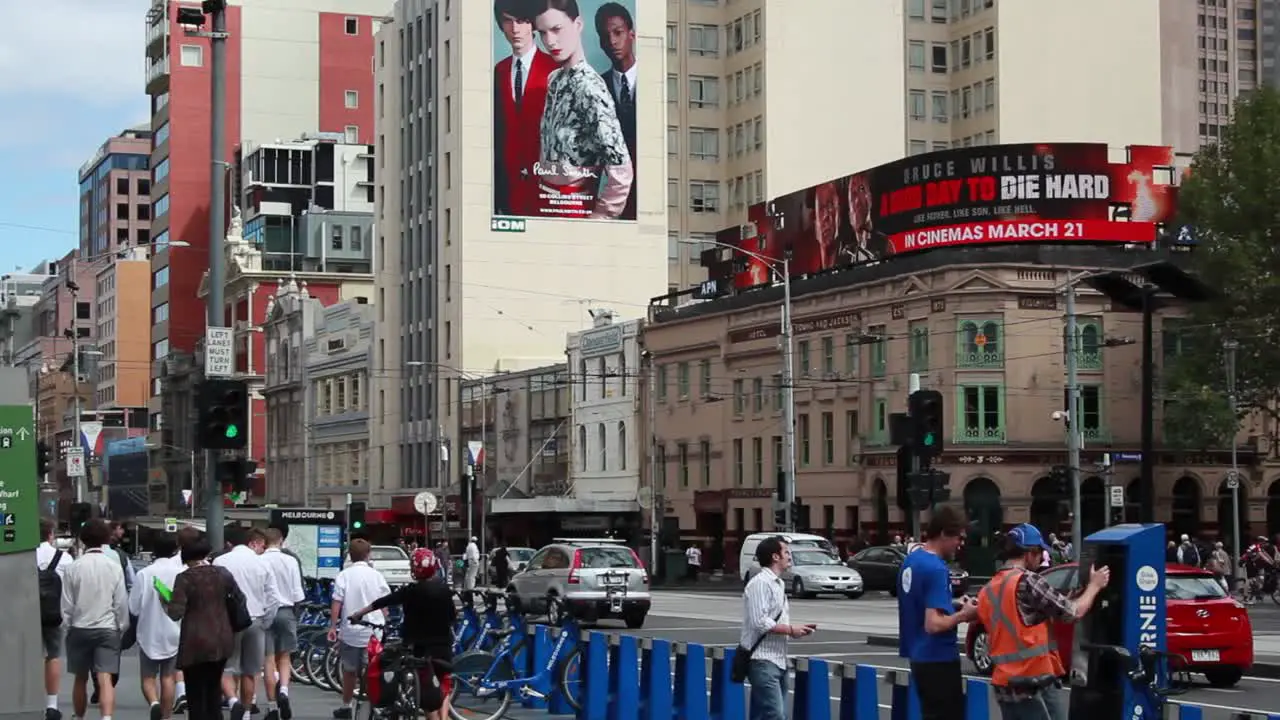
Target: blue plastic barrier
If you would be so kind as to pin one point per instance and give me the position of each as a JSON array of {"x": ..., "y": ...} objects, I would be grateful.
[{"x": 622, "y": 677}]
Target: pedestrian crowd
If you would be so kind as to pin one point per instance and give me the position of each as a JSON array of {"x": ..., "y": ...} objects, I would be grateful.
[{"x": 210, "y": 626}]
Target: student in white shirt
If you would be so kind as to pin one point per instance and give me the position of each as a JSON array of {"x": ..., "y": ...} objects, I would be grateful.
[
  {"x": 282, "y": 634},
  {"x": 244, "y": 562},
  {"x": 157, "y": 633},
  {"x": 95, "y": 611},
  {"x": 472, "y": 558},
  {"x": 51, "y": 635},
  {"x": 355, "y": 588}
]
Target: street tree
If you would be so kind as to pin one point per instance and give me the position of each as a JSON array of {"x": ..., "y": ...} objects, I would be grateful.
[{"x": 1231, "y": 201}]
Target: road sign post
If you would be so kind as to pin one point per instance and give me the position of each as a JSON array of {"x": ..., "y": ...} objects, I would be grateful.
[
  {"x": 19, "y": 490},
  {"x": 75, "y": 462}
]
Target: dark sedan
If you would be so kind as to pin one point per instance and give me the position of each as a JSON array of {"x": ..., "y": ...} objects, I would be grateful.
[{"x": 879, "y": 568}]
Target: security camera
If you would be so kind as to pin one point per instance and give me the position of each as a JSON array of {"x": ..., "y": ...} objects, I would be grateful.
[{"x": 1058, "y": 415}]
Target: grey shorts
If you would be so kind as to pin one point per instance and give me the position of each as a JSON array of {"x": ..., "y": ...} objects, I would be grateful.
[
  {"x": 282, "y": 635},
  {"x": 249, "y": 651},
  {"x": 93, "y": 651},
  {"x": 352, "y": 657},
  {"x": 148, "y": 667},
  {"x": 51, "y": 637}
]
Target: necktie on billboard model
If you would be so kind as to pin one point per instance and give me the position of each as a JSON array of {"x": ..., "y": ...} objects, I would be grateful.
[
  {"x": 624, "y": 94},
  {"x": 519, "y": 81}
]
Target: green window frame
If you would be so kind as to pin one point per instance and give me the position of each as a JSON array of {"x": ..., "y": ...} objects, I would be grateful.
[
  {"x": 828, "y": 355},
  {"x": 803, "y": 361},
  {"x": 1089, "y": 344},
  {"x": 980, "y": 414},
  {"x": 879, "y": 351},
  {"x": 918, "y": 350},
  {"x": 852, "y": 354},
  {"x": 682, "y": 381},
  {"x": 980, "y": 343},
  {"x": 879, "y": 422}
]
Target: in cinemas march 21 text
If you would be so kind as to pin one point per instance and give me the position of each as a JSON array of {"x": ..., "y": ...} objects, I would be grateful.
[
  {"x": 999, "y": 194},
  {"x": 564, "y": 99}
]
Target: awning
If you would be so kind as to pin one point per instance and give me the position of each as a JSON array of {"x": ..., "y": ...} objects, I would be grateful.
[
  {"x": 158, "y": 523},
  {"x": 557, "y": 504}
]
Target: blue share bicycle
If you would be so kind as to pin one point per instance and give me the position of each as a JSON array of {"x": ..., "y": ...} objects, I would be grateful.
[{"x": 485, "y": 683}]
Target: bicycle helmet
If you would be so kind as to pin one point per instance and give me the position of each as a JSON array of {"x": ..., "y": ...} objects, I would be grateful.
[{"x": 423, "y": 564}]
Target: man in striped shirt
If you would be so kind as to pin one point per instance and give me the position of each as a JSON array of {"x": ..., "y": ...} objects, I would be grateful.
[{"x": 766, "y": 626}]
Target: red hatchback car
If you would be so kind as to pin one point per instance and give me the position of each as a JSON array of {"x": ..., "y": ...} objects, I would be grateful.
[{"x": 1208, "y": 630}]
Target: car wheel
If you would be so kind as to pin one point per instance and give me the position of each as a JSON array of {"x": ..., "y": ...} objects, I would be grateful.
[
  {"x": 797, "y": 588},
  {"x": 981, "y": 653},
  {"x": 1224, "y": 677},
  {"x": 634, "y": 620},
  {"x": 853, "y": 595}
]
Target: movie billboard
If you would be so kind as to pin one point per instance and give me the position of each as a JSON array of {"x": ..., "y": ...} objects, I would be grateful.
[
  {"x": 564, "y": 109},
  {"x": 997, "y": 194}
]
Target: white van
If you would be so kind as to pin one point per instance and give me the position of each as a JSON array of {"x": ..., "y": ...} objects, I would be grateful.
[{"x": 747, "y": 565}]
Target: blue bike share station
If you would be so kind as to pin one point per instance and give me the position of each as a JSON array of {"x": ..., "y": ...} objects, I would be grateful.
[{"x": 1119, "y": 672}]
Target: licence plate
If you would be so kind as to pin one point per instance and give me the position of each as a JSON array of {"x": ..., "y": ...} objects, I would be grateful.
[
  {"x": 612, "y": 580},
  {"x": 1204, "y": 656}
]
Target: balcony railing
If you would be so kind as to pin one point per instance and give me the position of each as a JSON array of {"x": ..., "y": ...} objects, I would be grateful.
[
  {"x": 980, "y": 360},
  {"x": 157, "y": 32},
  {"x": 157, "y": 69},
  {"x": 979, "y": 436},
  {"x": 1096, "y": 434},
  {"x": 1089, "y": 360}
]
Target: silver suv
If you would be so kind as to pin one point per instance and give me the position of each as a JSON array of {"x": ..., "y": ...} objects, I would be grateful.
[{"x": 596, "y": 578}]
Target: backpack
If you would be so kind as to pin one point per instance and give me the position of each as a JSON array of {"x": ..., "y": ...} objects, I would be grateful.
[
  {"x": 1191, "y": 555},
  {"x": 51, "y": 593}
]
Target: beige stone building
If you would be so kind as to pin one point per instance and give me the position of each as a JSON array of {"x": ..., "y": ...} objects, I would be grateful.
[{"x": 985, "y": 328}]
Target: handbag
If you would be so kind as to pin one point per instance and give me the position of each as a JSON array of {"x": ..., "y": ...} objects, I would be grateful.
[
  {"x": 742, "y": 656},
  {"x": 237, "y": 607}
]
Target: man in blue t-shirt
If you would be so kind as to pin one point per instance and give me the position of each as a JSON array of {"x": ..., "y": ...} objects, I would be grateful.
[{"x": 928, "y": 617}]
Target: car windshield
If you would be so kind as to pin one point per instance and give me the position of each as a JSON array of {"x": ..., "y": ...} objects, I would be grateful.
[
  {"x": 386, "y": 553},
  {"x": 1192, "y": 587},
  {"x": 812, "y": 557},
  {"x": 604, "y": 558},
  {"x": 820, "y": 544},
  {"x": 520, "y": 554}
]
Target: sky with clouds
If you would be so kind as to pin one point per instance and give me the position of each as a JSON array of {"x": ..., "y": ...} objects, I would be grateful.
[{"x": 71, "y": 75}]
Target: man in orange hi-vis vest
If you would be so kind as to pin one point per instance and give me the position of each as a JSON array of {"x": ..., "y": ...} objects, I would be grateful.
[{"x": 1016, "y": 608}]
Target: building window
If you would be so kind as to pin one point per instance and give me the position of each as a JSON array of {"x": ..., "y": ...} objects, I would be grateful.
[
  {"x": 828, "y": 438},
  {"x": 602, "y": 436},
  {"x": 673, "y": 32},
  {"x": 778, "y": 461},
  {"x": 352, "y": 25},
  {"x": 880, "y": 422},
  {"x": 704, "y": 449},
  {"x": 704, "y": 143},
  {"x": 851, "y": 348},
  {"x": 938, "y": 61},
  {"x": 739, "y": 396},
  {"x": 1089, "y": 412},
  {"x": 916, "y": 55},
  {"x": 337, "y": 237},
  {"x": 704, "y": 196},
  {"x": 828, "y": 356},
  {"x": 622, "y": 446},
  {"x": 582, "y": 447},
  {"x": 980, "y": 344},
  {"x": 916, "y": 104},
  {"x": 738, "y": 470},
  {"x": 191, "y": 56},
  {"x": 980, "y": 410},
  {"x": 917, "y": 147},
  {"x": 802, "y": 427},
  {"x": 673, "y": 88},
  {"x": 704, "y": 40},
  {"x": 757, "y": 395},
  {"x": 682, "y": 381},
  {"x": 915, "y": 9},
  {"x": 919, "y": 349},
  {"x": 661, "y": 382},
  {"x": 351, "y": 99},
  {"x": 704, "y": 91},
  {"x": 161, "y": 207},
  {"x": 704, "y": 379},
  {"x": 851, "y": 436},
  {"x": 757, "y": 461},
  {"x": 879, "y": 350},
  {"x": 939, "y": 12},
  {"x": 1089, "y": 343},
  {"x": 940, "y": 107}
]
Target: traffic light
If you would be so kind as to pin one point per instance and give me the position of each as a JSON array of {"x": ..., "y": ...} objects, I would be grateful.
[
  {"x": 1060, "y": 481},
  {"x": 926, "y": 410},
  {"x": 904, "y": 471},
  {"x": 44, "y": 459},
  {"x": 780, "y": 518},
  {"x": 81, "y": 513},
  {"x": 800, "y": 516},
  {"x": 355, "y": 515},
  {"x": 236, "y": 475},
  {"x": 223, "y": 414}
]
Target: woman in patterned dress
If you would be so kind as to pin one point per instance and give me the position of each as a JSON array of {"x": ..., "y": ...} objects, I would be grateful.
[{"x": 585, "y": 167}]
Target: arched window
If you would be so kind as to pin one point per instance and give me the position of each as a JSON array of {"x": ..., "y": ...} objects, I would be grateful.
[
  {"x": 1089, "y": 343},
  {"x": 622, "y": 445},
  {"x": 980, "y": 344},
  {"x": 604, "y": 448},
  {"x": 582, "y": 447}
]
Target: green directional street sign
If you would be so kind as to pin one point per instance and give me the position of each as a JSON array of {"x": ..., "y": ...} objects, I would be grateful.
[{"x": 19, "y": 490}]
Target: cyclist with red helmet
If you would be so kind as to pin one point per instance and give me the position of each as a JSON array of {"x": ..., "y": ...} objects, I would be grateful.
[{"x": 429, "y": 616}]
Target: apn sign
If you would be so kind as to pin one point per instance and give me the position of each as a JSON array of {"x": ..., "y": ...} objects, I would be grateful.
[{"x": 507, "y": 224}]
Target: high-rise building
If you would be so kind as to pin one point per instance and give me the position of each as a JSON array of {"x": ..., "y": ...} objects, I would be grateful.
[
  {"x": 293, "y": 67},
  {"x": 500, "y": 214},
  {"x": 768, "y": 96},
  {"x": 115, "y": 244}
]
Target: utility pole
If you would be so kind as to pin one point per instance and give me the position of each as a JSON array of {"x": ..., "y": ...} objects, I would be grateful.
[
  {"x": 788, "y": 398},
  {"x": 482, "y": 471},
  {"x": 217, "y": 235},
  {"x": 75, "y": 389},
  {"x": 1073, "y": 421},
  {"x": 1231, "y": 346},
  {"x": 657, "y": 505}
]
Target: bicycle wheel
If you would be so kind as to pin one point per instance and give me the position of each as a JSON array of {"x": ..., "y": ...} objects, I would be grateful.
[
  {"x": 470, "y": 698},
  {"x": 332, "y": 671},
  {"x": 570, "y": 678},
  {"x": 316, "y": 653},
  {"x": 405, "y": 704}
]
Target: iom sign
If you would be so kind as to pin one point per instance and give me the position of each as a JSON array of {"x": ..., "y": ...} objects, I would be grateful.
[{"x": 507, "y": 224}]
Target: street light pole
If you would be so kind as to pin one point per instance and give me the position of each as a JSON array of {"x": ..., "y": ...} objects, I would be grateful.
[
  {"x": 657, "y": 505},
  {"x": 788, "y": 398},
  {"x": 1073, "y": 422},
  {"x": 483, "y": 467},
  {"x": 82, "y": 480},
  {"x": 217, "y": 234},
  {"x": 1231, "y": 346}
]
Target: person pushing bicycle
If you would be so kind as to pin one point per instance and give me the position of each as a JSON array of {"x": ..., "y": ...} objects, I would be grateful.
[{"x": 429, "y": 615}]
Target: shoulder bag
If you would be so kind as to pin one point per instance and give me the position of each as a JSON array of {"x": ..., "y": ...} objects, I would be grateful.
[
  {"x": 742, "y": 655},
  {"x": 237, "y": 607}
]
